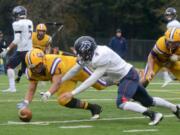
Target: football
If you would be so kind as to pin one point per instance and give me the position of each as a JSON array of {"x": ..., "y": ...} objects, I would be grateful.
[{"x": 25, "y": 115}]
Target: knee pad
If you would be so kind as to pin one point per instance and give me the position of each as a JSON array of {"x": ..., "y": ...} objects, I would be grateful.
[{"x": 120, "y": 102}]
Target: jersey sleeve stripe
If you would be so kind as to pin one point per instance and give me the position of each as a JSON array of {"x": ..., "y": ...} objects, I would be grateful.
[
  {"x": 54, "y": 65},
  {"x": 27, "y": 74},
  {"x": 89, "y": 72},
  {"x": 172, "y": 33},
  {"x": 29, "y": 59},
  {"x": 155, "y": 55},
  {"x": 17, "y": 31},
  {"x": 157, "y": 50}
]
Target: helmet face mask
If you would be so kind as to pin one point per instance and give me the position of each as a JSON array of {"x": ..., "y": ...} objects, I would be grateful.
[
  {"x": 85, "y": 47},
  {"x": 170, "y": 14},
  {"x": 40, "y": 34},
  {"x": 41, "y": 31},
  {"x": 39, "y": 69},
  {"x": 173, "y": 45}
]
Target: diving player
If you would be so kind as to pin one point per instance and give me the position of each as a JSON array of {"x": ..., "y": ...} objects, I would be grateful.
[
  {"x": 52, "y": 67},
  {"x": 23, "y": 29},
  {"x": 105, "y": 61},
  {"x": 40, "y": 40}
]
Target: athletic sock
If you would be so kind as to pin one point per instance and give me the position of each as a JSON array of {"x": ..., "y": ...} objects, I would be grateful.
[
  {"x": 133, "y": 106},
  {"x": 11, "y": 77},
  {"x": 164, "y": 103}
]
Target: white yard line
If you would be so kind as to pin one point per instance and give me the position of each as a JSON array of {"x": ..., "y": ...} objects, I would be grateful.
[
  {"x": 74, "y": 121},
  {"x": 75, "y": 127},
  {"x": 90, "y": 99},
  {"x": 140, "y": 130}
]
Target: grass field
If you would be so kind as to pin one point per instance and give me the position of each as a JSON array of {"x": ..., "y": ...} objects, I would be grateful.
[{"x": 51, "y": 119}]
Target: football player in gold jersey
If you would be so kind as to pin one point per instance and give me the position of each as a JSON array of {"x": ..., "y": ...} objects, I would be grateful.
[
  {"x": 165, "y": 53},
  {"x": 50, "y": 67},
  {"x": 40, "y": 40}
]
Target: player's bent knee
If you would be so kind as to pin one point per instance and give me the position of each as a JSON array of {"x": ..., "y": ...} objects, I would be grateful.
[
  {"x": 120, "y": 102},
  {"x": 63, "y": 102},
  {"x": 100, "y": 87}
]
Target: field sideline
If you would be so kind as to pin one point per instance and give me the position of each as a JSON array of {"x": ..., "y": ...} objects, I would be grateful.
[{"x": 50, "y": 118}]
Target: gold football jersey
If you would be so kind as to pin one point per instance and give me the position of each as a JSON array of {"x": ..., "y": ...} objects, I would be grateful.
[{"x": 41, "y": 44}]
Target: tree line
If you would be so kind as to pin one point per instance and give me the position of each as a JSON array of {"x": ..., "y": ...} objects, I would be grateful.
[{"x": 142, "y": 19}]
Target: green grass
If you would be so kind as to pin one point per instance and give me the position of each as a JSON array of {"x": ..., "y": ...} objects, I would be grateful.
[{"x": 56, "y": 115}]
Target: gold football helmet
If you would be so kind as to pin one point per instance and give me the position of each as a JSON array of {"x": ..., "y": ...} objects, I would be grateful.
[
  {"x": 41, "y": 27},
  {"x": 34, "y": 58},
  {"x": 173, "y": 34}
]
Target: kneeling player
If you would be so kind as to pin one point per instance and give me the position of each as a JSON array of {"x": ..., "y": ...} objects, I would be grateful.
[{"x": 49, "y": 67}]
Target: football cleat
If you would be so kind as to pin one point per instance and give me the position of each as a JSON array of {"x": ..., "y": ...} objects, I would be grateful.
[
  {"x": 177, "y": 113},
  {"x": 155, "y": 119},
  {"x": 17, "y": 80},
  {"x": 95, "y": 111},
  {"x": 9, "y": 90}
]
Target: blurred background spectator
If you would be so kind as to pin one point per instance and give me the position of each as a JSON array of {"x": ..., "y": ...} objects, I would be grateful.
[
  {"x": 118, "y": 44},
  {"x": 3, "y": 45}
]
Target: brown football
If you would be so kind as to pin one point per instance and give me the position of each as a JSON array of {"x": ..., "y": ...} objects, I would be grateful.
[{"x": 25, "y": 115}]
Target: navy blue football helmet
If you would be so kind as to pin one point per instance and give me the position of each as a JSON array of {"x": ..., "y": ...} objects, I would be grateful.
[
  {"x": 170, "y": 14},
  {"x": 19, "y": 12},
  {"x": 85, "y": 46}
]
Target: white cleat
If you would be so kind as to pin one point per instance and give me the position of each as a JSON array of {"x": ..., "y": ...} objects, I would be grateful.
[
  {"x": 156, "y": 119},
  {"x": 166, "y": 82},
  {"x": 9, "y": 90},
  {"x": 95, "y": 117}
]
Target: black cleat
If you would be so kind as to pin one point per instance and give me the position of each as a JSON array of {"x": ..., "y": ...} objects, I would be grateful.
[
  {"x": 177, "y": 113},
  {"x": 17, "y": 79},
  {"x": 157, "y": 117},
  {"x": 154, "y": 117},
  {"x": 95, "y": 111}
]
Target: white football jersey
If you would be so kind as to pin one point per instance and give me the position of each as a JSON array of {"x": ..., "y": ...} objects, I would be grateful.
[
  {"x": 25, "y": 28},
  {"x": 173, "y": 23},
  {"x": 104, "y": 56}
]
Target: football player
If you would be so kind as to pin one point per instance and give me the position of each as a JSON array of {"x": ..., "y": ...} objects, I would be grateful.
[
  {"x": 23, "y": 29},
  {"x": 50, "y": 67},
  {"x": 170, "y": 16},
  {"x": 106, "y": 61},
  {"x": 165, "y": 53},
  {"x": 40, "y": 40}
]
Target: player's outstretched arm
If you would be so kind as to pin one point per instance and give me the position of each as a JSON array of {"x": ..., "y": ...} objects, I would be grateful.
[
  {"x": 151, "y": 62},
  {"x": 29, "y": 95},
  {"x": 56, "y": 81},
  {"x": 91, "y": 80}
]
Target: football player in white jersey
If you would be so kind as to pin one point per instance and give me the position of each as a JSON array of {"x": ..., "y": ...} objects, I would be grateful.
[
  {"x": 23, "y": 29},
  {"x": 105, "y": 61},
  {"x": 170, "y": 16}
]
